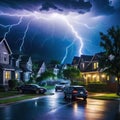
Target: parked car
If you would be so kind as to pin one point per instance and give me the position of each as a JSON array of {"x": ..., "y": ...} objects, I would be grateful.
[
  {"x": 61, "y": 86},
  {"x": 73, "y": 92},
  {"x": 31, "y": 88}
]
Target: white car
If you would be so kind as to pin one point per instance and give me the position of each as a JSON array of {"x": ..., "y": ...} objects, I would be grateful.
[{"x": 61, "y": 86}]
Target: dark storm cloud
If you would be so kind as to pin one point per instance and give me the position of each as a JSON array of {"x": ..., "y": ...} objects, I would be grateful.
[
  {"x": 103, "y": 7},
  {"x": 45, "y": 5}
]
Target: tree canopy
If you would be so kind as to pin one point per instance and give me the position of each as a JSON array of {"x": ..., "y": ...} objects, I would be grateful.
[
  {"x": 110, "y": 61},
  {"x": 71, "y": 73}
]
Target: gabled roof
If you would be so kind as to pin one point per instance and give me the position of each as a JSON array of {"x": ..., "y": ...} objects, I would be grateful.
[
  {"x": 75, "y": 60},
  {"x": 38, "y": 64},
  {"x": 86, "y": 58},
  {"x": 6, "y": 44}
]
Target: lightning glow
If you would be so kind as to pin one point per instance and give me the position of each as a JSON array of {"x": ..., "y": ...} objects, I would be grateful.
[
  {"x": 11, "y": 26},
  {"x": 66, "y": 53},
  {"x": 37, "y": 15},
  {"x": 23, "y": 39}
]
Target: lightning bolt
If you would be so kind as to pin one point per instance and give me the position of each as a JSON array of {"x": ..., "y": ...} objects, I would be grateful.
[
  {"x": 37, "y": 15},
  {"x": 66, "y": 53},
  {"x": 24, "y": 36},
  {"x": 76, "y": 35},
  {"x": 10, "y": 27}
]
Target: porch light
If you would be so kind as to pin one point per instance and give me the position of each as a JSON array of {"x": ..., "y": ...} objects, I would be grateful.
[
  {"x": 103, "y": 76},
  {"x": 89, "y": 75},
  {"x": 94, "y": 76}
]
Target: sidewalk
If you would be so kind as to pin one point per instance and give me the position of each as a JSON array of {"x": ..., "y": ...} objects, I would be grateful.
[{"x": 5, "y": 98}]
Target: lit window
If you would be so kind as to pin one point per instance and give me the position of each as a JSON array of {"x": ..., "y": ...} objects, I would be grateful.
[
  {"x": 95, "y": 65},
  {"x": 116, "y": 79},
  {"x": 103, "y": 75},
  {"x": 16, "y": 75},
  {"x": 108, "y": 77},
  {"x": 7, "y": 75}
]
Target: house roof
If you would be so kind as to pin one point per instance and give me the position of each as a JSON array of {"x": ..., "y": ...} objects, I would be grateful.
[
  {"x": 15, "y": 56},
  {"x": 25, "y": 69},
  {"x": 24, "y": 58},
  {"x": 75, "y": 60},
  {"x": 6, "y": 44},
  {"x": 7, "y": 66},
  {"x": 38, "y": 64},
  {"x": 86, "y": 57}
]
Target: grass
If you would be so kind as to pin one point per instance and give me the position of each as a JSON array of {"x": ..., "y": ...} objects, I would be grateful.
[
  {"x": 15, "y": 99},
  {"x": 105, "y": 96},
  {"x": 8, "y": 93}
]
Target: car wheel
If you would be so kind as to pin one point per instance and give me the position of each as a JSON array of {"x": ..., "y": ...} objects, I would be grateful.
[
  {"x": 20, "y": 91},
  {"x": 42, "y": 92},
  {"x": 84, "y": 99},
  {"x": 73, "y": 97},
  {"x": 37, "y": 91}
]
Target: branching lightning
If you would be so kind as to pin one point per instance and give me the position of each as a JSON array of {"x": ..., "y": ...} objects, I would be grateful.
[
  {"x": 24, "y": 36},
  {"x": 10, "y": 27},
  {"x": 38, "y": 15},
  {"x": 66, "y": 53}
]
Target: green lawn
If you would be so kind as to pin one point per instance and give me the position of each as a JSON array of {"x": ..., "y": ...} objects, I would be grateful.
[
  {"x": 18, "y": 98},
  {"x": 8, "y": 93},
  {"x": 24, "y": 97},
  {"x": 104, "y": 96}
]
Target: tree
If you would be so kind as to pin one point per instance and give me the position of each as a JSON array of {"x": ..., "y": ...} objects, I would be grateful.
[
  {"x": 71, "y": 73},
  {"x": 35, "y": 68},
  {"x": 45, "y": 75},
  {"x": 110, "y": 61}
]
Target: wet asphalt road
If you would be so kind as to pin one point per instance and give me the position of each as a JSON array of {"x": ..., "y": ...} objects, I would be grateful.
[{"x": 54, "y": 107}]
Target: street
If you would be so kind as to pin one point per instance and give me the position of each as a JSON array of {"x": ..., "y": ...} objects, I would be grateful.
[{"x": 54, "y": 107}]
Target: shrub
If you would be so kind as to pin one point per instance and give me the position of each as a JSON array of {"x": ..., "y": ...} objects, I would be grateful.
[
  {"x": 12, "y": 84},
  {"x": 95, "y": 87}
]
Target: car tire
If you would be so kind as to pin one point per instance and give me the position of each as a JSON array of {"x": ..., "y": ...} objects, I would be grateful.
[
  {"x": 37, "y": 91},
  {"x": 73, "y": 97},
  {"x": 42, "y": 92},
  {"x": 84, "y": 98}
]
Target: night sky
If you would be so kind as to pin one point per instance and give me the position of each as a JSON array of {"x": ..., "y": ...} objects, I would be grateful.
[{"x": 57, "y": 29}]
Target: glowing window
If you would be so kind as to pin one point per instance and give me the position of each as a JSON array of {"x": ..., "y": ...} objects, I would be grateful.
[
  {"x": 16, "y": 75},
  {"x": 95, "y": 65},
  {"x": 7, "y": 75},
  {"x": 108, "y": 77},
  {"x": 116, "y": 79}
]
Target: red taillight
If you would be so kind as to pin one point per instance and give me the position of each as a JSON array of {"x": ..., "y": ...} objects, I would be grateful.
[
  {"x": 75, "y": 92},
  {"x": 86, "y": 92}
]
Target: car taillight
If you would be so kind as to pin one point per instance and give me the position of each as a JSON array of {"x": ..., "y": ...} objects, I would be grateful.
[
  {"x": 74, "y": 91},
  {"x": 86, "y": 92}
]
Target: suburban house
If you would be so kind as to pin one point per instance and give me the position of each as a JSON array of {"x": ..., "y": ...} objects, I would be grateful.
[
  {"x": 6, "y": 69},
  {"x": 13, "y": 67},
  {"x": 89, "y": 67},
  {"x": 24, "y": 65}
]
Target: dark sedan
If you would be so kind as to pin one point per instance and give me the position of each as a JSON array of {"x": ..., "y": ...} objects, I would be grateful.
[
  {"x": 73, "y": 92},
  {"x": 31, "y": 88}
]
